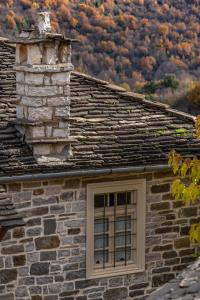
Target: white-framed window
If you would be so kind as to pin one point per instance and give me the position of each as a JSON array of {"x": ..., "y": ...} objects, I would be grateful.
[{"x": 115, "y": 228}]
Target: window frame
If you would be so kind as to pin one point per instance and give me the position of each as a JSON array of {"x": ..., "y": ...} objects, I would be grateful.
[{"x": 113, "y": 187}]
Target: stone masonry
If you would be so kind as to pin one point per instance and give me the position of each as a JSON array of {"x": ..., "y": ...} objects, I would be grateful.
[
  {"x": 42, "y": 111},
  {"x": 43, "y": 67},
  {"x": 46, "y": 259}
]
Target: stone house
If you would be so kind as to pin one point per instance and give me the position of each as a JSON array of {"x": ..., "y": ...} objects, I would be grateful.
[{"x": 84, "y": 180}]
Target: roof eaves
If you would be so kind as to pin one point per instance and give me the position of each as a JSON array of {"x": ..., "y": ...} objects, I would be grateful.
[{"x": 181, "y": 114}]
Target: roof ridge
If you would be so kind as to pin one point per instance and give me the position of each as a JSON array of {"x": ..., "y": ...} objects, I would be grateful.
[
  {"x": 89, "y": 77},
  {"x": 137, "y": 96},
  {"x": 164, "y": 106},
  {"x": 3, "y": 38}
]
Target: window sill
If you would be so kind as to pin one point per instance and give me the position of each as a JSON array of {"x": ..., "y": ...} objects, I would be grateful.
[{"x": 114, "y": 272}]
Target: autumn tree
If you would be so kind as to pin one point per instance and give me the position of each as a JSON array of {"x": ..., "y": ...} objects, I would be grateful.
[
  {"x": 147, "y": 62},
  {"x": 187, "y": 186},
  {"x": 177, "y": 61},
  {"x": 139, "y": 36},
  {"x": 164, "y": 29},
  {"x": 35, "y": 6},
  {"x": 194, "y": 93},
  {"x": 11, "y": 21},
  {"x": 26, "y": 3},
  {"x": 184, "y": 48}
]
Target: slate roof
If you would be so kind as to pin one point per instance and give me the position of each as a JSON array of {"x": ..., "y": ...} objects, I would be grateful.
[
  {"x": 186, "y": 286},
  {"x": 113, "y": 128},
  {"x": 117, "y": 128},
  {"x": 7, "y": 82}
]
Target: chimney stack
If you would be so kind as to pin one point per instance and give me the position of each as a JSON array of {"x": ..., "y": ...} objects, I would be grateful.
[{"x": 43, "y": 67}]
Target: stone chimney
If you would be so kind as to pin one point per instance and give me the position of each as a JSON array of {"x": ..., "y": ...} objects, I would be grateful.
[{"x": 43, "y": 67}]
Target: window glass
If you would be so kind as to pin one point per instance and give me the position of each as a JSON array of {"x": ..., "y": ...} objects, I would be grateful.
[
  {"x": 111, "y": 199},
  {"x": 100, "y": 241},
  {"x": 123, "y": 254},
  {"x": 124, "y": 198},
  {"x": 123, "y": 223},
  {"x": 100, "y": 257},
  {"x": 122, "y": 239},
  {"x": 99, "y": 200},
  {"x": 100, "y": 225}
]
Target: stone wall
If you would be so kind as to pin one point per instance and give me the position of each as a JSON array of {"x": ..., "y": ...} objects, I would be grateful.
[
  {"x": 46, "y": 259},
  {"x": 43, "y": 110}
]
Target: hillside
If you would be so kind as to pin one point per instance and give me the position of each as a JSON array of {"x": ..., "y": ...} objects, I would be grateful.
[{"x": 128, "y": 42}]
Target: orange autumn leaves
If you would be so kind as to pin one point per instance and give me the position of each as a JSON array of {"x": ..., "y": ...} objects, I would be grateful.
[{"x": 137, "y": 35}]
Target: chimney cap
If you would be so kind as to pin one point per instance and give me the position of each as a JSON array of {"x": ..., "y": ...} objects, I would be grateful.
[
  {"x": 47, "y": 38},
  {"x": 40, "y": 33},
  {"x": 43, "y": 22}
]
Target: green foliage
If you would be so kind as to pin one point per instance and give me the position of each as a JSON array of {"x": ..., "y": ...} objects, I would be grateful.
[
  {"x": 97, "y": 3},
  {"x": 169, "y": 81},
  {"x": 151, "y": 87},
  {"x": 187, "y": 186},
  {"x": 195, "y": 233},
  {"x": 161, "y": 132},
  {"x": 181, "y": 132}
]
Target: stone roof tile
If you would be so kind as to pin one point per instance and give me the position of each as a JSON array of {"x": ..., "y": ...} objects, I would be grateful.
[{"x": 113, "y": 127}]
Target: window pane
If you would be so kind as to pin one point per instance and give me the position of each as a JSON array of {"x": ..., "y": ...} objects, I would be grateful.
[
  {"x": 100, "y": 200},
  {"x": 100, "y": 257},
  {"x": 128, "y": 197},
  {"x": 123, "y": 198},
  {"x": 100, "y": 225},
  {"x": 123, "y": 255},
  {"x": 100, "y": 241},
  {"x": 123, "y": 223},
  {"x": 122, "y": 239},
  {"x": 111, "y": 199}
]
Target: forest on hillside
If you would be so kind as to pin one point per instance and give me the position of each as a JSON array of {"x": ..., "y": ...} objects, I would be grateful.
[{"x": 129, "y": 42}]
